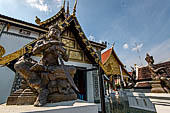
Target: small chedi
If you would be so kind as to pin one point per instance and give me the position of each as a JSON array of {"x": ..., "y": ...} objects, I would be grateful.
[
  {"x": 46, "y": 80},
  {"x": 160, "y": 83}
]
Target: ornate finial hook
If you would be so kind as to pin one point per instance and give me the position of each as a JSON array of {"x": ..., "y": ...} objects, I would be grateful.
[
  {"x": 68, "y": 12},
  {"x": 37, "y": 20},
  {"x": 113, "y": 44},
  {"x": 74, "y": 9},
  {"x": 64, "y": 4}
]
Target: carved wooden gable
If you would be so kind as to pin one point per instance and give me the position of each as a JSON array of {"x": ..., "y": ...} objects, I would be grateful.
[
  {"x": 113, "y": 66},
  {"x": 74, "y": 51},
  {"x": 112, "y": 63}
]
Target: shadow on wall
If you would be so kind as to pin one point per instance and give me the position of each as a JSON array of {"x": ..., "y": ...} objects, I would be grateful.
[{"x": 6, "y": 80}]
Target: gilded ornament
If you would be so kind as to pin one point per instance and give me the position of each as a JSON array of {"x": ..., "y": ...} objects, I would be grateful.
[
  {"x": 77, "y": 26},
  {"x": 84, "y": 40},
  {"x": 29, "y": 48},
  {"x": 81, "y": 34},
  {"x": 93, "y": 53},
  {"x": 97, "y": 60},
  {"x": 2, "y": 51}
]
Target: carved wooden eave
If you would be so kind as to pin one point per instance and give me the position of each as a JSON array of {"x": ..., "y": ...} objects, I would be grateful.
[
  {"x": 108, "y": 60},
  {"x": 54, "y": 19},
  {"x": 23, "y": 24}
]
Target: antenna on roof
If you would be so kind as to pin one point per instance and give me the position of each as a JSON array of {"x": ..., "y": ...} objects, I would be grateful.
[
  {"x": 64, "y": 4},
  {"x": 113, "y": 44},
  {"x": 74, "y": 9},
  {"x": 68, "y": 12},
  {"x": 137, "y": 49}
]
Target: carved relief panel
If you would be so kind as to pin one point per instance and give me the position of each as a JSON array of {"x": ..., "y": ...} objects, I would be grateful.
[
  {"x": 76, "y": 55},
  {"x": 73, "y": 49},
  {"x": 68, "y": 43}
]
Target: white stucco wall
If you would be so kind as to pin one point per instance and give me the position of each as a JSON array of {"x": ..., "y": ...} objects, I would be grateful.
[
  {"x": 11, "y": 43},
  {"x": 14, "y": 29},
  {"x": 6, "y": 81}
]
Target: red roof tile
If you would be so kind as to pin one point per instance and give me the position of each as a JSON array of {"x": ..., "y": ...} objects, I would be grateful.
[
  {"x": 144, "y": 72},
  {"x": 106, "y": 55}
]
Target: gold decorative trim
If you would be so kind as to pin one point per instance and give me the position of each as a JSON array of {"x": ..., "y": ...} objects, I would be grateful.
[
  {"x": 81, "y": 34},
  {"x": 77, "y": 26},
  {"x": 93, "y": 53},
  {"x": 2, "y": 51},
  {"x": 88, "y": 47},
  {"x": 6, "y": 59}
]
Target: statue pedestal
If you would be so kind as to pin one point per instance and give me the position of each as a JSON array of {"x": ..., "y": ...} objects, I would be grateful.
[
  {"x": 27, "y": 97},
  {"x": 155, "y": 86},
  {"x": 61, "y": 107}
]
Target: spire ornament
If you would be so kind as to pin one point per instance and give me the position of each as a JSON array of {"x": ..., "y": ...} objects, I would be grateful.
[
  {"x": 68, "y": 12},
  {"x": 74, "y": 9},
  {"x": 37, "y": 20},
  {"x": 64, "y": 4}
]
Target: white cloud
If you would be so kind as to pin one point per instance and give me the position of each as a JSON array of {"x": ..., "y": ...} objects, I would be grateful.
[
  {"x": 138, "y": 47},
  {"x": 125, "y": 46},
  {"x": 91, "y": 38},
  {"x": 39, "y": 4},
  {"x": 59, "y": 3}
]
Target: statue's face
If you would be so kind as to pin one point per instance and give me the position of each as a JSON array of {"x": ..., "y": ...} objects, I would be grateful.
[{"x": 54, "y": 34}]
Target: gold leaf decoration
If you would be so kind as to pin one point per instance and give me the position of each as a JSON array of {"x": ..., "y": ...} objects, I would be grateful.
[{"x": 2, "y": 51}]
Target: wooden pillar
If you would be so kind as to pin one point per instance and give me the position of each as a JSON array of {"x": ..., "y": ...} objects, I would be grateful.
[{"x": 101, "y": 81}]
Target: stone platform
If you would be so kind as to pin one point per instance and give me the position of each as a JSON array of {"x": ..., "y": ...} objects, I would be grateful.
[
  {"x": 27, "y": 97},
  {"x": 61, "y": 107}
]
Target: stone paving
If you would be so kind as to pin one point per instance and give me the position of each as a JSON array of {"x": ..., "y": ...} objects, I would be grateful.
[{"x": 61, "y": 107}]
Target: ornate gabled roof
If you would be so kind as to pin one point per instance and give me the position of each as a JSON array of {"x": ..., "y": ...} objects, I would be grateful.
[
  {"x": 107, "y": 54},
  {"x": 84, "y": 42},
  {"x": 55, "y": 17}
]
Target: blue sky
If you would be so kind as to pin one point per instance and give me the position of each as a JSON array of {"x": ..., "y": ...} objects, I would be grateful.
[{"x": 142, "y": 25}]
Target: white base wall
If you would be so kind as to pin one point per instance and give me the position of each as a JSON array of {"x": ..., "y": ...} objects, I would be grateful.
[
  {"x": 6, "y": 81},
  {"x": 69, "y": 107}
]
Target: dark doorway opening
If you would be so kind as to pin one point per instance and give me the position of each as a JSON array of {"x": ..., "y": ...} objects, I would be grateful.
[{"x": 80, "y": 80}]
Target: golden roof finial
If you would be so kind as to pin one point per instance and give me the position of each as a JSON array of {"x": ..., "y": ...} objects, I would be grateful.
[
  {"x": 74, "y": 9},
  {"x": 113, "y": 44},
  {"x": 37, "y": 20},
  {"x": 68, "y": 12},
  {"x": 64, "y": 4}
]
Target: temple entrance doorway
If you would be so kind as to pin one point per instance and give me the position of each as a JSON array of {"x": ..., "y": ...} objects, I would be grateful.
[{"x": 80, "y": 80}]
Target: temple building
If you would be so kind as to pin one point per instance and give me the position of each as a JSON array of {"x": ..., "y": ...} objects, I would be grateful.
[
  {"x": 18, "y": 37},
  {"x": 114, "y": 67}
]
